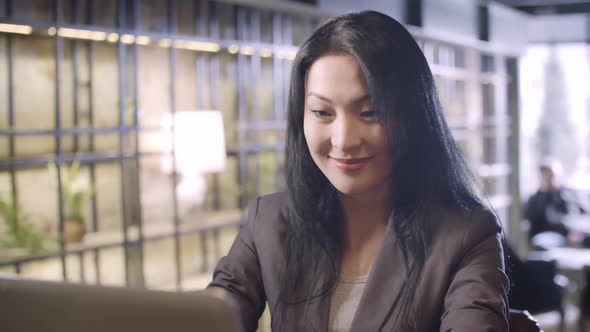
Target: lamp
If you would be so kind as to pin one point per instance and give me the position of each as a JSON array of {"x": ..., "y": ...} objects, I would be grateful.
[{"x": 197, "y": 138}]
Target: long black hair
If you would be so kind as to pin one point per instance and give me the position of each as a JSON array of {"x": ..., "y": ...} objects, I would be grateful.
[{"x": 429, "y": 172}]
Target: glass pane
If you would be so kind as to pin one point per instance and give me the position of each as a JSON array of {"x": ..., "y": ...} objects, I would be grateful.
[
  {"x": 159, "y": 264},
  {"x": 229, "y": 188},
  {"x": 3, "y": 84},
  {"x": 152, "y": 141},
  {"x": 489, "y": 107},
  {"x": 34, "y": 103},
  {"x": 38, "y": 202},
  {"x": 157, "y": 204},
  {"x": 266, "y": 90},
  {"x": 192, "y": 260},
  {"x": 108, "y": 197},
  {"x": 302, "y": 29},
  {"x": 186, "y": 12},
  {"x": 33, "y": 10},
  {"x": 154, "y": 16},
  {"x": 75, "y": 11},
  {"x": 50, "y": 270},
  {"x": 83, "y": 144},
  {"x": 105, "y": 13},
  {"x": 227, "y": 21},
  {"x": 186, "y": 87},
  {"x": 107, "y": 143},
  {"x": 30, "y": 146},
  {"x": 490, "y": 151},
  {"x": 487, "y": 63},
  {"x": 105, "y": 88},
  {"x": 267, "y": 137},
  {"x": 112, "y": 267},
  {"x": 266, "y": 27},
  {"x": 4, "y": 147},
  {"x": 228, "y": 104},
  {"x": 129, "y": 144},
  {"x": 268, "y": 173},
  {"x": 154, "y": 96},
  {"x": 252, "y": 186}
]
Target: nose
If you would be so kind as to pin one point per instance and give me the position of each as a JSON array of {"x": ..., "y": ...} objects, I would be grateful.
[{"x": 346, "y": 134}]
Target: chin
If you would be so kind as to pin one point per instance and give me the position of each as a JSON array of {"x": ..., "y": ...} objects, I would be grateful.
[{"x": 350, "y": 188}]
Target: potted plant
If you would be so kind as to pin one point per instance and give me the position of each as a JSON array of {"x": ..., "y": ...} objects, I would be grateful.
[
  {"x": 76, "y": 191},
  {"x": 20, "y": 238}
]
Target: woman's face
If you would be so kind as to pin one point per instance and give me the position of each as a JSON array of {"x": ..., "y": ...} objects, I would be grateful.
[{"x": 345, "y": 136}]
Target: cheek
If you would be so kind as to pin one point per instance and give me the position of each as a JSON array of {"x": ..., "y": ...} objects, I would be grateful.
[{"x": 312, "y": 135}]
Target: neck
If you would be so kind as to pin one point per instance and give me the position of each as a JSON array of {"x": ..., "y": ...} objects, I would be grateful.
[{"x": 366, "y": 216}]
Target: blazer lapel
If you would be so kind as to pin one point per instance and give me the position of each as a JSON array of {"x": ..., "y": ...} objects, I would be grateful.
[
  {"x": 317, "y": 316},
  {"x": 385, "y": 282}
]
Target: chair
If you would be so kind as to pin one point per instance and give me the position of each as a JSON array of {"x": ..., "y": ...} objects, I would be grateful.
[
  {"x": 585, "y": 301},
  {"x": 522, "y": 321},
  {"x": 536, "y": 286}
]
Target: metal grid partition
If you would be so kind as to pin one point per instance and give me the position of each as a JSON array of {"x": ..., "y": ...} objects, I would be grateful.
[
  {"x": 112, "y": 68},
  {"x": 226, "y": 45}
]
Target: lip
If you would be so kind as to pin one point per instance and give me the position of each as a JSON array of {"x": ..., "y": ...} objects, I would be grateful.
[{"x": 351, "y": 164}]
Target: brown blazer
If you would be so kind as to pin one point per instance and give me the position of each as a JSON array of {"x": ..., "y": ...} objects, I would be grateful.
[{"x": 463, "y": 285}]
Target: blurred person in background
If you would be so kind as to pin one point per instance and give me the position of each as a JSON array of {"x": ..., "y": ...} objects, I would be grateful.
[{"x": 547, "y": 209}]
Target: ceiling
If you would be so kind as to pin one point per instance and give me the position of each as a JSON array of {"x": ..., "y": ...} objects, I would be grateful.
[{"x": 549, "y": 6}]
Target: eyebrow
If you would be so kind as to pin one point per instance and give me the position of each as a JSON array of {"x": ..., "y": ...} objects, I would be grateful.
[{"x": 326, "y": 99}]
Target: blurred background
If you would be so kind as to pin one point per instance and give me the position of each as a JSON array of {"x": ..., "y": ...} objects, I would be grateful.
[{"x": 134, "y": 133}]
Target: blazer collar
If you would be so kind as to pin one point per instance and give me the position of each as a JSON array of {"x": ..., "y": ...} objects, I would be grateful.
[{"x": 385, "y": 282}]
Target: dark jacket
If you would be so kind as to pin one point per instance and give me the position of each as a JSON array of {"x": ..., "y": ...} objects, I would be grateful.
[{"x": 463, "y": 285}]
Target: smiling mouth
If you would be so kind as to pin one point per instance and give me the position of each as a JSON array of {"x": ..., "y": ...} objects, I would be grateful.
[
  {"x": 352, "y": 161},
  {"x": 352, "y": 164}
]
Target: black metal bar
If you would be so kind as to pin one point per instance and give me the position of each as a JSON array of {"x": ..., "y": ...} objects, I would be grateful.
[
  {"x": 83, "y": 159},
  {"x": 59, "y": 49},
  {"x": 122, "y": 95},
  {"x": 215, "y": 89},
  {"x": 288, "y": 30},
  {"x": 92, "y": 166},
  {"x": 201, "y": 13},
  {"x": 68, "y": 131},
  {"x": 136, "y": 54},
  {"x": 242, "y": 112},
  {"x": 82, "y": 267},
  {"x": 414, "y": 12},
  {"x": 151, "y": 238},
  {"x": 278, "y": 80},
  {"x": 256, "y": 69},
  {"x": 11, "y": 111},
  {"x": 76, "y": 76},
  {"x": 277, "y": 67},
  {"x": 252, "y": 126},
  {"x": 105, "y": 158},
  {"x": 200, "y": 68},
  {"x": 172, "y": 26},
  {"x": 483, "y": 22},
  {"x": 9, "y": 8}
]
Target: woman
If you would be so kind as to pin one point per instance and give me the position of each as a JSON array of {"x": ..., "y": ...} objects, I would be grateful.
[{"x": 379, "y": 229}]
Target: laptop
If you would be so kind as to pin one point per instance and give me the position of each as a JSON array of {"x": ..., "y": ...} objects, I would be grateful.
[{"x": 41, "y": 306}]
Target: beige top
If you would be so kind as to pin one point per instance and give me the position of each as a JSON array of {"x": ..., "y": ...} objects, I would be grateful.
[{"x": 344, "y": 302}]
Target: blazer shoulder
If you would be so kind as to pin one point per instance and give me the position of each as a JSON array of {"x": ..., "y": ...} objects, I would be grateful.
[
  {"x": 269, "y": 212},
  {"x": 466, "y": 228},
  {"x": 272, "y": 205}
]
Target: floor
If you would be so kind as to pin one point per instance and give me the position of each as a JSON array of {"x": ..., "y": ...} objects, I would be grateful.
[{"x": 549, "y": 322}]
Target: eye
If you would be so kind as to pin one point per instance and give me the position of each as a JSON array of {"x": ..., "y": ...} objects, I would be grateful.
[
  {"x": 321, "y": 114},
  {"x": 370, "y": 115}
]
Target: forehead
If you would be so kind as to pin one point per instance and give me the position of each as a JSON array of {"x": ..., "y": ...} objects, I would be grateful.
[{"x": 337, "y": 76}]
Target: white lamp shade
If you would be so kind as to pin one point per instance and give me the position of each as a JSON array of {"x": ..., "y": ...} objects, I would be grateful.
[{"x": 199, "y": 142}]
